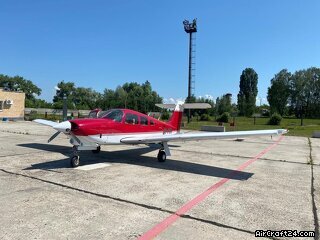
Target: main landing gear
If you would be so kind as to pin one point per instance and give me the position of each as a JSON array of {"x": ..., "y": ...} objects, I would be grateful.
[
  {"x": 163, "y": 152},
  {"x": 162, "y": 156},
  {"x": 97, "y": 150}
]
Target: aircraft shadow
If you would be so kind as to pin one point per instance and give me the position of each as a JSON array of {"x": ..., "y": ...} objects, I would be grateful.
[{"x": 133, "y": 157}]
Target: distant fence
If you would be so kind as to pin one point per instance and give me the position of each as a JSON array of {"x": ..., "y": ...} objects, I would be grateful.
[{"x": 50, "y": 111}]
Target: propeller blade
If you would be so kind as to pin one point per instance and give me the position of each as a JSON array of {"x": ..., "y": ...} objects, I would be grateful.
[
  {"x": 53, "y": 136},
  {"x": 75, "y": 138}
]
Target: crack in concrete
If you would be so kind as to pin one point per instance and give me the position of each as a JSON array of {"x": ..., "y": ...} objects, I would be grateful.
[{"x": 314, "y": 207}]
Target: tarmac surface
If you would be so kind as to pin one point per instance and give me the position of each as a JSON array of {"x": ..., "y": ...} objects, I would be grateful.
[{"x": 125, "y": 193}]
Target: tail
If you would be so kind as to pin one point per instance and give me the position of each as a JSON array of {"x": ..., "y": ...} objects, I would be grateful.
[{"x": 176, "y": 118}]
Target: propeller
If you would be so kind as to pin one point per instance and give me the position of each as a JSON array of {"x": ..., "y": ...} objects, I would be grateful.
[
  {"x": 53, "y": 136},
  {"x": 60, "y": 127},
  {"x": 75, "y": 138}
]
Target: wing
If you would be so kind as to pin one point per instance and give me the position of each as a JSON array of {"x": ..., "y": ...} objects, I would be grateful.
[
  {"x": 45, "y": 122},
  {"x": 200, "y": 136}
]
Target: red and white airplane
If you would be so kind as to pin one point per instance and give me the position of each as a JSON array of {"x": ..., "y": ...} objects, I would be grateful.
[{"x": 124, "y": 126}]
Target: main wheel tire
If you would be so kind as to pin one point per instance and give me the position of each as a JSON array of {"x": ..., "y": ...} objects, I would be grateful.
[
  {"x": 75, "y": 161},
  {"x": 97, "y": 150},
  {"x": 162, "y": 156}
]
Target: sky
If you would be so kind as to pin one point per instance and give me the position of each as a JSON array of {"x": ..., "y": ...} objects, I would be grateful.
[{"x": 103, "y": 44}]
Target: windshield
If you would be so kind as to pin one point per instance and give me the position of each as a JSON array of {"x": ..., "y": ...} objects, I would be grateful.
[
  {"x": 115, "y": 115},
  {"x": 102, "y": 113}
]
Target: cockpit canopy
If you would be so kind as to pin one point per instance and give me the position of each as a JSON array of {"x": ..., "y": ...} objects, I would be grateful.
[{"x": 113, "y": 114}]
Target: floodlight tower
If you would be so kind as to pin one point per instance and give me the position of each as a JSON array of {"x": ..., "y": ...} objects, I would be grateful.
[{"x": 190, "y": 28}]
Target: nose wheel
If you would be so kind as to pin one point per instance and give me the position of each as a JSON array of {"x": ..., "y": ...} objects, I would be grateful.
[
  {"x": 75, "y": 159},
  {"x": 162, "y": 156}
]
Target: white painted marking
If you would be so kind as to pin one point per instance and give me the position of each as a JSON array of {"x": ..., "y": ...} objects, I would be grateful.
[{"x": 93, "y": 166}]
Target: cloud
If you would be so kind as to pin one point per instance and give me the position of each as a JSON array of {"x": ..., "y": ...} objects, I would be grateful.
[
  {"x": 208, "y": 96},
  {"x": 173, "y": 100},
  {"x": 261, "y": 100}
]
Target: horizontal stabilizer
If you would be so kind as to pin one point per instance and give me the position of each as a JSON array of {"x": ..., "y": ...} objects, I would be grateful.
[{"x": 165, "y": 105}]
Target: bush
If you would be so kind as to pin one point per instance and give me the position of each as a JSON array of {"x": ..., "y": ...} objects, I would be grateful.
[
  {"x": 205, "y": 117},
  {"x": 275, "y": 119},
  {"x": 165, "y": 116},
  {"x": 265, "y": 113},
  {"x": 224, "y": 117}
]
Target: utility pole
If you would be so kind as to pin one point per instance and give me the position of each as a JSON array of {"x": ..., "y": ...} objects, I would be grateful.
[
  {"x": 190, "y": 28},
  {"x": 65, "y": 109}
]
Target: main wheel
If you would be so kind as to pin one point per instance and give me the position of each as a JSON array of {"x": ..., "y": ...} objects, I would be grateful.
[
  {"x": 75, "y": 161},
  {"x": 97, "y": 150},
  {"x": 162, "y": 156}
]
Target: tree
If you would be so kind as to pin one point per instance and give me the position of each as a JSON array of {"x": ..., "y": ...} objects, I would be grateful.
[
  {"x": 223, "y": 104},
  {"x": 139, "y": 97},
  {"x": 66, "y": 89},
  {"x": 86, "y": 98},
  {"x": 18, "y": 83},
  {"x": 248, "y": 92},
  {"x": 279, "y": 92},
  {"x": 305, "y": 92},
  {"x": 77, "y": 97},
  {"x": 37, "y": 103}
]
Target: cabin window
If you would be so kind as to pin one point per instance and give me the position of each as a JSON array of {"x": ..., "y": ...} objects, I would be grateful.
[
  {"x": 151, "y": 122},
  {"x": 115, "y": 115},
  {"x": 143, "y": 121},
  {"x": 131, "y": 118},
  {"x": 92, "y": 114}
]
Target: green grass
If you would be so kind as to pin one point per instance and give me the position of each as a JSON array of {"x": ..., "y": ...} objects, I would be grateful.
[{"x": 243, "y": 123}]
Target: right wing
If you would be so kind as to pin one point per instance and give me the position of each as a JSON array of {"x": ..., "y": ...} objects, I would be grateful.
[{"x": 200, "y": 136}]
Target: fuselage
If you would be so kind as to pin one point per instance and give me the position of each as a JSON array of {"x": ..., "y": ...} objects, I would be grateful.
[{"x": 117, "y": 124}]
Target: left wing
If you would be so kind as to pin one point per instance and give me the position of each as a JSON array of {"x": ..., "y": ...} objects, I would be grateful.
[{"x": 200, "y": 136}]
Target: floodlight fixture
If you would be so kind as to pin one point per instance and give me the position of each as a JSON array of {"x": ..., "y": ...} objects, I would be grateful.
[{"x": 190, "y": 27}]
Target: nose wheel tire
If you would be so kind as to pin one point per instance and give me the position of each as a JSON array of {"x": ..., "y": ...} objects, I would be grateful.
[
  {"x": 162, "y": 156},
  {"x": 97, "y": 150},
  {"x": 75, "y": 161}
]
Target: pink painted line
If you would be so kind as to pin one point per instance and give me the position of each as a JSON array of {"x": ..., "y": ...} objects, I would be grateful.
[{"x": 157, "y": 229}]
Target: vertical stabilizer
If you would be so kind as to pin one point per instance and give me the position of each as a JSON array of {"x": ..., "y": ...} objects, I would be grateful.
[{"x": 176, "y": 117}]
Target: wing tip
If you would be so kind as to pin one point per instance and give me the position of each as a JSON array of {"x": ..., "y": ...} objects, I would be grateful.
[{"x": 282, "y": 131}]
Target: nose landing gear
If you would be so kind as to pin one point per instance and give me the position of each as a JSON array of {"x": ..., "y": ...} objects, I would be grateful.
[{"x": 75, "y": 159}]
